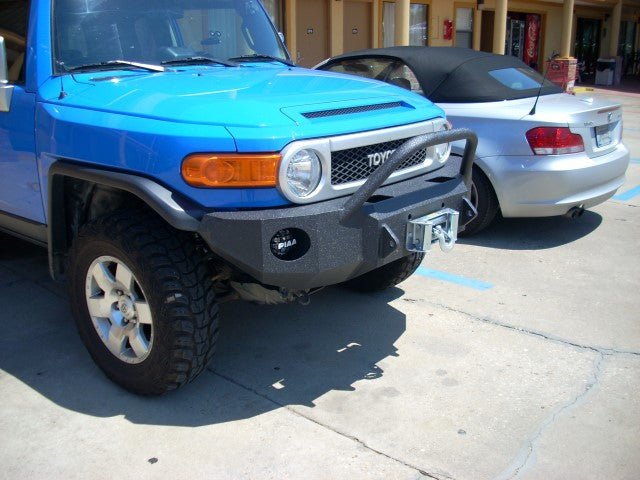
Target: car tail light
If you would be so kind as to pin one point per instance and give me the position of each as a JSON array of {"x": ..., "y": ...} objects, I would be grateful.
[
  {"x": 231, "y": 170},
  {"x": 554, "y": 141}
]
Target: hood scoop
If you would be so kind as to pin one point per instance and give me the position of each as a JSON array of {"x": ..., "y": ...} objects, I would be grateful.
[{"x": 350, "y": 110}]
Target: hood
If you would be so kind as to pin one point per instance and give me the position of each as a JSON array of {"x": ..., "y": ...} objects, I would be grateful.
[{"x": 243, "y": 97}]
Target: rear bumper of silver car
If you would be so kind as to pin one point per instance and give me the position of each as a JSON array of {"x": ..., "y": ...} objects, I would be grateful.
[{"x": 541, "y": 186}]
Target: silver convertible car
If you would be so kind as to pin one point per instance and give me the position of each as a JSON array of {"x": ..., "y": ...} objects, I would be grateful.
[{"x": 541, "y": 152}]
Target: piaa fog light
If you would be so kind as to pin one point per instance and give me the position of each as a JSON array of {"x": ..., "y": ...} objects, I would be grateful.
[
  {"x": 303, "y": 173},
  {"x": 290, "y": 244}
]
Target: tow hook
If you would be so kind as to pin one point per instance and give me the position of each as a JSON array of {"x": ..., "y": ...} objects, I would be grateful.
[
  {"x": 446, "y": 242},
  {"x": 440, "y": 227}
]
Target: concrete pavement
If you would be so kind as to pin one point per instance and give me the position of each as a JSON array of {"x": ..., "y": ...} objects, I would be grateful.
[{"x": 516, "y": 356}]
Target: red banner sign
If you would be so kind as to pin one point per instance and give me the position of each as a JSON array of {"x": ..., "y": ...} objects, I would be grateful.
[{"x": 532, "y": 40}]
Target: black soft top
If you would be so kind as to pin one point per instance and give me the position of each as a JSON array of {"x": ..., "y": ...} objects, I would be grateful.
[{"x": 455, "y": 75}]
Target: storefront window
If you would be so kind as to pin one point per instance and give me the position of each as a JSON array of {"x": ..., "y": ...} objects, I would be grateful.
[
  {"x": 587, "y": 46},
  {"x": 464, "y": 27},
  {"x": 418, "y": 24},
  {"x": 523, "y": 37},
  {"x": 626, "y": 47},
  {"x": 388, "y": 24},
  {"x": 418, "y": 18}
]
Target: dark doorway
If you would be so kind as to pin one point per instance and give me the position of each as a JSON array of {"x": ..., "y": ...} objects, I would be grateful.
[
  {"x": 587, "y": 47},
  {"x": 486, "y": 32}
]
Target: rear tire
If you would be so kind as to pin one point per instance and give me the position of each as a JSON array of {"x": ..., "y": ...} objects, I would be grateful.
[
  {"x": 386, "y": 276},
  {"x": 154, "y": 328},
  {"x": 484, "y": 199}
]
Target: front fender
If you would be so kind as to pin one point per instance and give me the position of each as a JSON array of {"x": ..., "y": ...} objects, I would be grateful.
[{"x": 174, "y": 209}]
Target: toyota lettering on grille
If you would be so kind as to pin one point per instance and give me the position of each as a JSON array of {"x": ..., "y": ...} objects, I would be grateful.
[{"x": 378, "y": 158}]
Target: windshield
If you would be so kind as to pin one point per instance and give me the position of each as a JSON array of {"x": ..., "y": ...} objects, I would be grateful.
[{"x": 89, "y": 32}]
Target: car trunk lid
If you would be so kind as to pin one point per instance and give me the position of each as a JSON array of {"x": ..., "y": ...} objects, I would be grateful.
[{"x": 598, "y": 122}]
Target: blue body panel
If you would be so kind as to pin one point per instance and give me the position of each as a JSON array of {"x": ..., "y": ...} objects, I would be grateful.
[
  {"x": 19, "y": 185},
  {"x": 146, "y": 123}
]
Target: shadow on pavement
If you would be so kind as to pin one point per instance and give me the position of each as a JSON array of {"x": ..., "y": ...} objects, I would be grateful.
[
  {"x": 535, "y": 233},
  {"x": 289, "y": 353}
]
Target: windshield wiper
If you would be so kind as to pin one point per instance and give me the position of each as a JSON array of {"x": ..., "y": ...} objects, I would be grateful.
[
  {"x": 199, "y": 60},
  {"x": 115, "y": 64},
  {"x": 258, "y": 57}
]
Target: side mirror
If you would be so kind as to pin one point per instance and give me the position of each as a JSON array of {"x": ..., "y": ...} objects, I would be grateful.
[
  {"x": 4, "y": 70},
  {"x": 5, "y": 89}
]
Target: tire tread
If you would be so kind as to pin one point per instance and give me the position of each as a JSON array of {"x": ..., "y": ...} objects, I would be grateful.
[
  {"x": 388, "y": 275},
  {"x": 182, "y": 281}
]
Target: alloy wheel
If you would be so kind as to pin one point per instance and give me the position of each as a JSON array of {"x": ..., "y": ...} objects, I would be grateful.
[{"x": 119, "y": 309}]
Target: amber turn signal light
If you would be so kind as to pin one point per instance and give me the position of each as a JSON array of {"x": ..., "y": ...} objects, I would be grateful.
[{"x": 231, "y": 170}]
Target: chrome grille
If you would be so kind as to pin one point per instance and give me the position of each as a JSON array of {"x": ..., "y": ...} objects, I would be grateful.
[{"x": 353, "y": 164}]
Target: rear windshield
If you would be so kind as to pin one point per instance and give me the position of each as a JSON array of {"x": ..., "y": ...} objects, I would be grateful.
[{"x": 517, "y": 78}]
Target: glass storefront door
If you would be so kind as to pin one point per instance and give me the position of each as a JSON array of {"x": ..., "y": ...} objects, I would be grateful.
[
  {"x": 418, "y": 22},
  {"x": 464, "y": 27},
  {"x": 587, "y": 46}
]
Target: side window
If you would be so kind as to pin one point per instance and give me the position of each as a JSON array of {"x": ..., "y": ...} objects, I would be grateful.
[{"x": 13, "y": 27}]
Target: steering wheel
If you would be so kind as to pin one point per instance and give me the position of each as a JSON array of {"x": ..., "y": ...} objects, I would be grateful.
[{"x": 13, "y": 38}]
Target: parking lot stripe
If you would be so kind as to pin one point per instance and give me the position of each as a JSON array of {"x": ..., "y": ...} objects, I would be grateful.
[
  {"x": 457, "y": 279},
  {"x": 635, "y": 160},
  {"x": 629, "y": 194}
]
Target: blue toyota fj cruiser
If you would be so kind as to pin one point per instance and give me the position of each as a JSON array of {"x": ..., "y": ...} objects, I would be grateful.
[{"x": 169, "y": 155}]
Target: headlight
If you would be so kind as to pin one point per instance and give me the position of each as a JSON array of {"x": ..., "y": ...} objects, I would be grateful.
[
  {"x": 303, "y": 173},
  {"x": 443, "y": 150}
]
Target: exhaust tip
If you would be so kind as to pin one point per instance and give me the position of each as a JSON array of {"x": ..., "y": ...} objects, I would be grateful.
[{"x": 575, "y": 212}]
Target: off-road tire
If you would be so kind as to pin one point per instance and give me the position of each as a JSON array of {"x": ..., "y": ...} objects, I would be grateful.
[
  {"x": 486, "y": 204},
  {"x": 386, "y": 276},
  {"x": 171, "y": 269}
]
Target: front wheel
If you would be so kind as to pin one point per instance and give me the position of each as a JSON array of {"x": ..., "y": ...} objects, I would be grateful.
[
  {"x": 484, "y": 199},
  {"x": 143, "y": 301},
  {"x": 388, "y": 275}
]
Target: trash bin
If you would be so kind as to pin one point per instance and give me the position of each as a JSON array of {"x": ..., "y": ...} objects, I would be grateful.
[{"x": 605, "y": 70}]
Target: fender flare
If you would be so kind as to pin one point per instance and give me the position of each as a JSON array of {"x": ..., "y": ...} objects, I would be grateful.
[{"x": 177, "y": 211}]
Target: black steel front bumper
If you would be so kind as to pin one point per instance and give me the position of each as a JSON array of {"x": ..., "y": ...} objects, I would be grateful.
[{"x": 347, "y": 236}]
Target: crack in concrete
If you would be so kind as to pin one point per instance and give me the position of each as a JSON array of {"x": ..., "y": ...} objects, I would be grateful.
[
  {"x": 546, "y": 336},
  {"x": 526, "y": 457},
  {"x": 421, "y": 471}
]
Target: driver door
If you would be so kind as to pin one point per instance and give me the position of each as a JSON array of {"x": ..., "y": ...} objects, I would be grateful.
[{"x": 20, "y": 194}]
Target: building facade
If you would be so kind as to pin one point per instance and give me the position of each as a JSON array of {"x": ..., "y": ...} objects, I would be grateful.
[{"x": 533, "y": 30}]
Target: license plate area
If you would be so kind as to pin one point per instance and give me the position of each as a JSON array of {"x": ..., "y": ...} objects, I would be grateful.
[
  {"x": 439, "y": 227},
  {"x": 603, "y": 135}
]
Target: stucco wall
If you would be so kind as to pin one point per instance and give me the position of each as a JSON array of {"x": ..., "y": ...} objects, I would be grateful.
[{"x": 439, "y": 11}]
